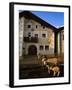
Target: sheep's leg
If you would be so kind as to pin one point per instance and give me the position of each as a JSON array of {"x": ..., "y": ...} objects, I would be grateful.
[
  {"x": 43, "y": 67},
  {"x": 54, "y": 73},
  {"x": 49, "y": 71},
  {"x": 58, "y": 73}
]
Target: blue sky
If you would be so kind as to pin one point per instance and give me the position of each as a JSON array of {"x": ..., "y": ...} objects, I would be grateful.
[{"x": 54, "y": 18}]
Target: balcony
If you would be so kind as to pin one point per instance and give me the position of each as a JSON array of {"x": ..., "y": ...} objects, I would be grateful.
[{"x": 31, "y": 39}]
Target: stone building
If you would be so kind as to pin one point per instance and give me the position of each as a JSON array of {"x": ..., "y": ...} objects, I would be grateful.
[
  {"x": 36, "y": 36},
  {"x": 61, "y": 40}
]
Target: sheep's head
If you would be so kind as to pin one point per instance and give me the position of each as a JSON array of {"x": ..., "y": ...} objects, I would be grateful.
[{"x": 51, "y": 68}]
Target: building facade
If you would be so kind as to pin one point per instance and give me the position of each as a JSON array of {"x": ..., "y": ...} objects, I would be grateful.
[
  {"x": 37, "y": 36},
  {"x": 61, "y": 40}
]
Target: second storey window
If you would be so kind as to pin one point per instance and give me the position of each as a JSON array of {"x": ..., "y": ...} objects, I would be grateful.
[
  {"x": 43, "y": 27},
  {"x": 43, "y": 35},
  {"x": 36, "y": 26},
  {"x": 29, "y": 34},
  {"x": 29, "y": 26},
  {"x": 41, "y": 47},
  {"x": 46, "y": 47}
]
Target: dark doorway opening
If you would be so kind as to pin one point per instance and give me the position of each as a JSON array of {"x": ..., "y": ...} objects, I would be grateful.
[{"x": 32, "y": 50}]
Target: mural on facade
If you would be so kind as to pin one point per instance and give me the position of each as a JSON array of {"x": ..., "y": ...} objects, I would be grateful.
[{"x": 41, "y": 47}]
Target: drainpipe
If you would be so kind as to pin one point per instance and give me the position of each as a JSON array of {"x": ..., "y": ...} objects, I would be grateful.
[
  {"x": 56, "y": 43},
  {"x": 60, "y": 44}
]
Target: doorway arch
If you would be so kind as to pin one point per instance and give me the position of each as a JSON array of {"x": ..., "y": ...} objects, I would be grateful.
[{"x": 32, "y": 50}]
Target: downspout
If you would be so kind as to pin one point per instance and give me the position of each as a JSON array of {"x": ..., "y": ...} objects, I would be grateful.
[{"x": 56, "y": 43}]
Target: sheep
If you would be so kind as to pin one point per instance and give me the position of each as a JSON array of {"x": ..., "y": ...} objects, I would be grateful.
[
  {"x": 53, "y": 61},
  {"x": 55, "y": 69},
  {"x": 44, "y": 63},
  {"x": 39, "y": 56}
]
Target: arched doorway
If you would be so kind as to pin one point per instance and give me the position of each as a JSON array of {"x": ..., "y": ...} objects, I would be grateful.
[{"x": 32, "y": 50}]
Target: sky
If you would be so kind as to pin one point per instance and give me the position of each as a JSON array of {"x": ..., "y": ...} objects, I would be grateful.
[{"x": 54, "y": 18}]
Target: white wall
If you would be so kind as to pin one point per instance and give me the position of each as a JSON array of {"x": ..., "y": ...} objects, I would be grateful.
[{"x": 4, "y": 45}]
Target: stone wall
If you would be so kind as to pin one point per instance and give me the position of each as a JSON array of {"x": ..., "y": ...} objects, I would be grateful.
[
  {"x": 62, "y": 41},
  {"x": 37, "y": 28}
]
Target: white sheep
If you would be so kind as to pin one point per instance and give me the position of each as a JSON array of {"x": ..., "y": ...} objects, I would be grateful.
[
  {"x": 46, "y": 62},
  {"x": 55, "y": 69},
  {"x": 52, "y": 60}
]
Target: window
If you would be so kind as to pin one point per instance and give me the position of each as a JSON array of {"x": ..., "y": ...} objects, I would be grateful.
[
  {"x": 43, "y": 27},
  {"x": 41, "y": 47},
  {"x": 36, "y": 26},
  {"x": 29, "y": 34},
  {"x": 44, "y": 35},
  {"x": 23, "y": 48},
  {"x": 36, "y": 35},
  {"x": 46, "y": 47},
  {"x": 29, "y": 26}
]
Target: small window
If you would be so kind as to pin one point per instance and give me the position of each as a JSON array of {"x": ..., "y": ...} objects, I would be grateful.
[
  {"x": 29, "y": 26},
  {"x": 44, "y": 35},
  {"x": 46, "y": 47},
  {"x": 36, "y": 26},
  {"x": 36, "y": 35},
  {"x": 23, "y": 48},
  {"x": 41, "y": 47},
  {"x": 29, "y": 34},
  {"x": 43, "y": 27}
]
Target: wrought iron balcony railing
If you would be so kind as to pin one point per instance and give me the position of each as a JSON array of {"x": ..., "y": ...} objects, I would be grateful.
[{"x": 31, "y": 39}]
